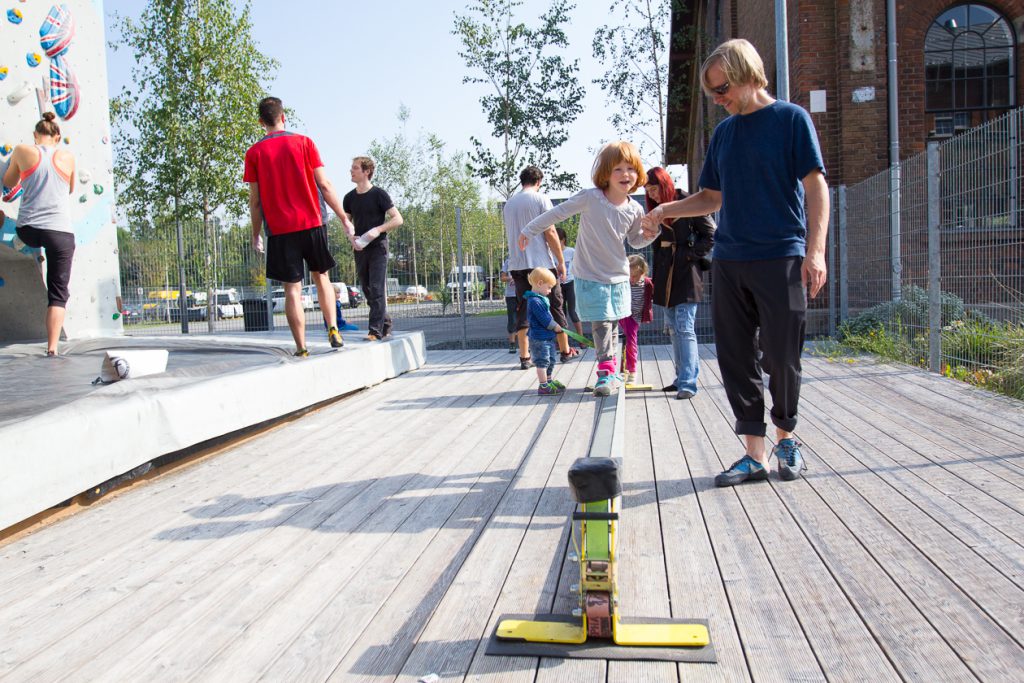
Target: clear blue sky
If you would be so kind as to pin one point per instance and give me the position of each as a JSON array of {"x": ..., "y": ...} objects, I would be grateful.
[{"x": 345, "y": 68}]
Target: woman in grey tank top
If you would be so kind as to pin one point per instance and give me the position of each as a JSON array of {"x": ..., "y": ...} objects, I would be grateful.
[{"x": 43, "y": 177}]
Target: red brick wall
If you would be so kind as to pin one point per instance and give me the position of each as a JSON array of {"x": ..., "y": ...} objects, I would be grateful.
[
  {"x": 913, "y": 17},
  {"x": 860, "y": 134},
  {"x": 854, "y": 136}
]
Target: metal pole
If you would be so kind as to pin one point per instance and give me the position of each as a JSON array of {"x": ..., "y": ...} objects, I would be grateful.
[
  {"x": 832, "y": 220},
  {"x": 461, "y": 287},
  {"x": 182, "y": 303},
  {"x": 844, "y": 273},
  {"x": 1012, "y": 169},
  {"x": 892, "y": 88},
  {"x": 781, "y": 52},
  {"x": 934, "y": 260}
]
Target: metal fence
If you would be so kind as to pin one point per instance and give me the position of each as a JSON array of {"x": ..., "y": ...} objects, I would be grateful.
[
  {"x": 443, "y": 278},
  {"x": 928, "y": 255},
  {"x": 933, "y": 263}
]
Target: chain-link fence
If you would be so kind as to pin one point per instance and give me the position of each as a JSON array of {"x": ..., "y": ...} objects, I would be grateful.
[
  {"x": 443, "y": 278},
  {"x": 933, "y": 262},
  {"x": 926, "y": 263}
]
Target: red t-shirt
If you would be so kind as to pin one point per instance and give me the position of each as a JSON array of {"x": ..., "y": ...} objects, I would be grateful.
[{"x": 283, "y": 164}]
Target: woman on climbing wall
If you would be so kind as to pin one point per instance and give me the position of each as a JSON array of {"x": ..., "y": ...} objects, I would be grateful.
[{"x": 43, "y": 176}]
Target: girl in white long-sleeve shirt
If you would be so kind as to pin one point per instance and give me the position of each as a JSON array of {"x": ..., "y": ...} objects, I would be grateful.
[{"x": 608, "y": 217}]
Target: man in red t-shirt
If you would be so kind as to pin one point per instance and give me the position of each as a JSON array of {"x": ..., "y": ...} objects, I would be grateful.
[{"x": 286, "y": 180}]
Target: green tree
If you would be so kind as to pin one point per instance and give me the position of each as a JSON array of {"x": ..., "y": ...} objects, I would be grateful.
[
  {"x": 184, "y": 122},
  {"x": 534, "y": 93},
  {"x": 635, "y": 52},
  {"x": 426, "y": 183}
]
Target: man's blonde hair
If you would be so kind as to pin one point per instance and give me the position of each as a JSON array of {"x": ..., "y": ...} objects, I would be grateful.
[
  {"x": 610, "y": 156},
  {"x": 541, "y": 276},
  {"x": 740, "y": 62}
]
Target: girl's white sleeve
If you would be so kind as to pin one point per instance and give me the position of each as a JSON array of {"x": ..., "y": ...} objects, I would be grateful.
[
  {"x": 635, "y": 233},
  {"x": 570, "y": 207}
]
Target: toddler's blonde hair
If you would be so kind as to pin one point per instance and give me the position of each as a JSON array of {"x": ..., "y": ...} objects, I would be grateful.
[{"x": 541, "y": 276}]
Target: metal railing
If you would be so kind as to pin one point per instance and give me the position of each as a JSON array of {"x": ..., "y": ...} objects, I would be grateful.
[{"x": 945, "y": 290}]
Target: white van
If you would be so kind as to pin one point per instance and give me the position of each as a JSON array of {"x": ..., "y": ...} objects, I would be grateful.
[{"x": 470, "y": 277}]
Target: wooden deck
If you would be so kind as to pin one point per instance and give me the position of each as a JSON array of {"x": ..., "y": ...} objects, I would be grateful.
[{"x": 379, "y": 538}]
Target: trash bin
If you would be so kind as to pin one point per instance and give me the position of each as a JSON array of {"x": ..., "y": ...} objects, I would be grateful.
[{"x": 254, "y": 315}]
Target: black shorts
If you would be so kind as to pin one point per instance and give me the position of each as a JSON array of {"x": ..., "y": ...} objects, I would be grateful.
[
  {"x": 60, "y": 248},
  {"x": 521, "y": 278},
  {"x": 285, "y": 254}
]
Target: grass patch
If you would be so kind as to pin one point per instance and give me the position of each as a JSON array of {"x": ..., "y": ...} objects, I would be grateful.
[{"x": 975, "y": 349}]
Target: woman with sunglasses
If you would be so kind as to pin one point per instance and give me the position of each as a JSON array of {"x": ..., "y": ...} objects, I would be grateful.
[{"x": 679, "y": 255}]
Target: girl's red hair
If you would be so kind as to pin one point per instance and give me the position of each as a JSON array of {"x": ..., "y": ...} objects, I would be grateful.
[{"x": 666, "y": 188}]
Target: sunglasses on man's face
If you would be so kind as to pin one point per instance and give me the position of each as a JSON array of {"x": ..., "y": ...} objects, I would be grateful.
[{"x": 719, "y": 90}]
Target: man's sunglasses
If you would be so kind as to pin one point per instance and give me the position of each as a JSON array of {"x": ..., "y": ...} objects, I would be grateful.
[{"x": 720, "y": 90}]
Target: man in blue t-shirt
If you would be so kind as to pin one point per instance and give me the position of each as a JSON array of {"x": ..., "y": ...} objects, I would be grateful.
[{"x": 762, "y": 165}]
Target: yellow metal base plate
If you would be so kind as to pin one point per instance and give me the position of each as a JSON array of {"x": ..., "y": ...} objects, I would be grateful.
[
  {"x": 542, "y": 631},
  {"x": 563, "y": 636},
  {"x": 631, "y": 635},
  {"x": 660, "y": 635}
]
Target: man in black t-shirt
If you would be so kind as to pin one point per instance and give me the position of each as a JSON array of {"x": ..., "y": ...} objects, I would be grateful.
[{"x": 374, "y": 215}]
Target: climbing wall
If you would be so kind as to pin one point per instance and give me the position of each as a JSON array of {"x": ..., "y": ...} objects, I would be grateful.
[{"x": 53, "y": 58}]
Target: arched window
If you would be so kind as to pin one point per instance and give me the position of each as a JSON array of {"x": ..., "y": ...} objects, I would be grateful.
[{"x": 969, "y": 67}]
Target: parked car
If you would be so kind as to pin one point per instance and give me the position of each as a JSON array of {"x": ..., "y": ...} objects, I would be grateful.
[
  {"x": 308, "y": 302},
  {"x": 311, "y": 300},
  {"x": 195, "y": 312},
  {"x": 355, "y": 296},
  {"x": 416, "y": 290},
  {"x": 228, "y": 305},
  {"x": 131, "y": 312}
]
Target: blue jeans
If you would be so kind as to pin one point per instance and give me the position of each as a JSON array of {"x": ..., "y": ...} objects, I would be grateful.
[
  {"x": 542, "y": 353},
  {"x": 680, "y": 320}
]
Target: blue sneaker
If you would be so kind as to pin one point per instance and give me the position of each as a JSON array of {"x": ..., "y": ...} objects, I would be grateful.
[
  {"x": 791, "y": 461},
  {"x": 605, "y": 384},
  {"x": 743, "y": 469}
]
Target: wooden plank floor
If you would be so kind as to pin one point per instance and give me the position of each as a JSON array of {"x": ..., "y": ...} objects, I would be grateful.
[{"x": 380, "y": 538}]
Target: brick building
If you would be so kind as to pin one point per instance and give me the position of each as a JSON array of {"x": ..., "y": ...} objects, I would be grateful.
[{"x": 958, "y": 66}]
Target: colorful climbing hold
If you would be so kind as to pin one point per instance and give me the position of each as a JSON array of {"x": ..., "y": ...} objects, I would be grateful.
[
  {"x": 106, "y": 139},
  {"x": 33, "y": 58},
  {"x": 84, "y": 176},
  {"x": 64, "y": 93},
  {"x": 15, "y": 16},
  {"x": 83, "y": 199},
  {"x": 67, "y": 140},
  {"x": 3, "y": 72},
  {"x": 97, "y": 189},
  {"x": 115, "y": 316},
  {"x": 2, "y": 283},
  {"x": 5, "y": 150},
  {"x": 57, "y": 31}
]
